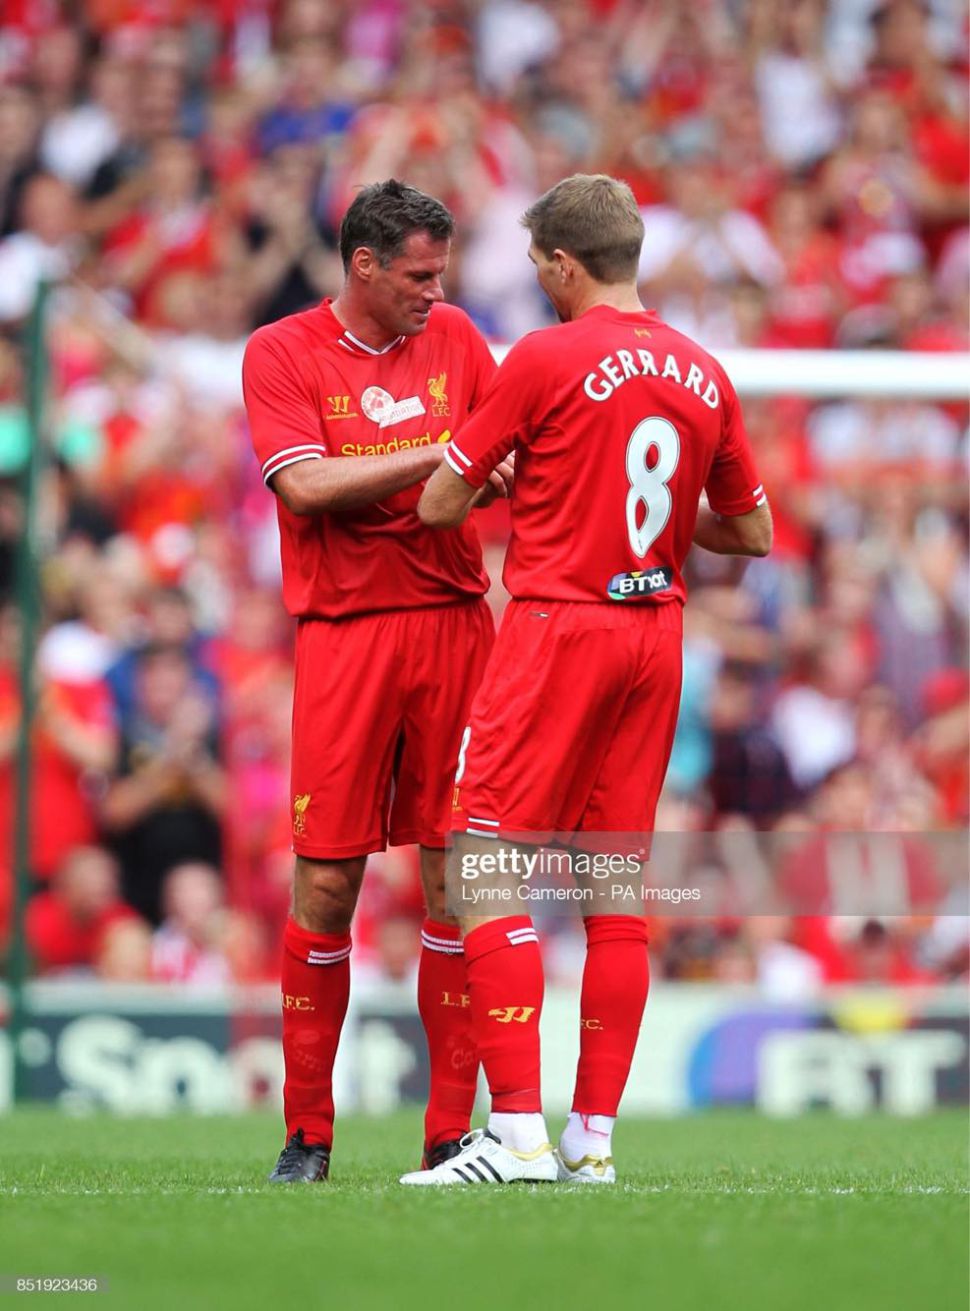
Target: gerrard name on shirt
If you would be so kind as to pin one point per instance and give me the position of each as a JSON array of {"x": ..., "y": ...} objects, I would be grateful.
[{"x": 614, "y": 370}]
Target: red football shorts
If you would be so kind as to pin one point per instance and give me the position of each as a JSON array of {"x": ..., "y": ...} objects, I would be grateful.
[
  {"x": 379, "y": 705},
  {"x": 572, "y": 726}
]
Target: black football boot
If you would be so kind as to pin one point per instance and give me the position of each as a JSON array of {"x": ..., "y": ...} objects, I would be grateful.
[{"x": 301, "y": 1162}]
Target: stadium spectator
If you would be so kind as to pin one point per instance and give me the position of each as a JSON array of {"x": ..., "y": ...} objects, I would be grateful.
[
  {"x": 308, "y": 112},
  {"x": 42, "y": 247},
  {"x": 19, "y": 124},
  {"x": 796, "y": 92},
  {"x": 292, "y": 259},
  {"x": 166, "y": 802},
  {"x": 185, "y": 946},
  {"x": 81, "y": 133},
  {"x": 73, "y": 748},
  {"x": 67, "y": 923},
  {"x": 166, "y": 620},
  {"x": 749, "y": 773},
  {"x": 172, "y": 231}
]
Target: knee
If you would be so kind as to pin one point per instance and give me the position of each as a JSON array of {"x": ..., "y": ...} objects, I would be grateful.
[{"x": 324, "y": 899}]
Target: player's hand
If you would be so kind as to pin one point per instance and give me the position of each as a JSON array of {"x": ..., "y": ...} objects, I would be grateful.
[{"x": 499, "y": 485}]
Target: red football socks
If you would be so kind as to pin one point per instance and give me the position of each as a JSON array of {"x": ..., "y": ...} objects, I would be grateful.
[
  {"x": 445, "y": 1009},
  {"x": 316, "y": 986},
  {"x": 505, "y": 984},
  {"x": 615, "y": 983}
]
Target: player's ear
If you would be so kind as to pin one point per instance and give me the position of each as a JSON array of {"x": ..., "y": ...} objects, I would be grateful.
[
  {"x": 563, "y": 265},
  {"x": 363, "y": 263}
]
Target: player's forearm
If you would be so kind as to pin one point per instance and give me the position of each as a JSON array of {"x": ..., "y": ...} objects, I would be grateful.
[
  {"x": 344, "y": 482},
  {"x": 446, "y": 500},
  {"x": 743, "y": 534}
]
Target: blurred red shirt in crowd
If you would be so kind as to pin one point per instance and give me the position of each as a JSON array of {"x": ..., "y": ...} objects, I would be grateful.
[
  {"x": 66, "y": 924},
  {"x": 75, "y": 724}
]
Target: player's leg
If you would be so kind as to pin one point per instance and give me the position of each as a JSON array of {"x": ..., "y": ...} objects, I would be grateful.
[
  {"x": 535, "y": 749},
  {"x": 503, "y": 782},
  {"x": 443, "y": 652},
  {"x": 506, "y": 985},
  {"x": 503, "y": 962},
  {"x": 315, "y": 980},
  {"x": 505, "y": 988},
  {"x": 616, "y": 975},
  {"x": 445, "y": 1009},
  {"x": 345, "y": 729},
  {"x": 616, "y": 978}
]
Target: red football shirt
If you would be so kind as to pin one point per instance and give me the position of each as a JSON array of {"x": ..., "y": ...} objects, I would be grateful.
[
  {"x": 313, "y": 390},
  {"x": 619, "y": 423},
  {"x": 63, "y": 812}
]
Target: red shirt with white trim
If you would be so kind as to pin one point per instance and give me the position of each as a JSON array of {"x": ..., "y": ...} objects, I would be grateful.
[
  {"x": 313, "y": 391},
  {"x": 619, "y": 424}
]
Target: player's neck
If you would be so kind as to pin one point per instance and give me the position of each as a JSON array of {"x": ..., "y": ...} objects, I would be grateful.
[
  {"x": 620, "y": 296},
  {"x": 349, "y": 311}
]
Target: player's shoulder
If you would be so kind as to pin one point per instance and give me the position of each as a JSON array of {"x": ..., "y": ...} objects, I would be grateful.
[
  {"x": 291, "y": 335},
  {"x": 542, "y": 344},
  {"x": 668, "y": 338}
]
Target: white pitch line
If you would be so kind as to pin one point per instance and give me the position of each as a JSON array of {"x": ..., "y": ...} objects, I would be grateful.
[{"x": 912, "y": 1190}]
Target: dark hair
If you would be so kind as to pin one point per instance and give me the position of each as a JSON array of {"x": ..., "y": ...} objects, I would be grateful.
[
  {"x": 383, "y": 216},
  {"x": 593, "y": 218}
]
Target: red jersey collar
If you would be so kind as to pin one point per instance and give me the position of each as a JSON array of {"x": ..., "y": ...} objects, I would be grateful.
[{"x": 349, "y": 342}]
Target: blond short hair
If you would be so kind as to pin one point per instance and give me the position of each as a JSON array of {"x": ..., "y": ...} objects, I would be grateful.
[{"x": 595, "y": 219}]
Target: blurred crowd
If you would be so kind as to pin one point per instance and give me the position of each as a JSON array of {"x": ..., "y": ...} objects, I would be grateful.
[{"x": 179, "y": 170}]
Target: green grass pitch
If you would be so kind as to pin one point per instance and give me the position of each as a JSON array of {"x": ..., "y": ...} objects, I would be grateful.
[{"x": 716, "y": 1212}]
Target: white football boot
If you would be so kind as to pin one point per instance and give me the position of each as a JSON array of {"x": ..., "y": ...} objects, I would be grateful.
[
  {"x": 587, "y": 1170},
  {"x": 483, "y": 1160}
]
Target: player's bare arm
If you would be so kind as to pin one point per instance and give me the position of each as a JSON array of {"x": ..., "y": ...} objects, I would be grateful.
[
  {"x": 447, "y": 499},
  {"x": 345, "y": 482},
  {"x": 739, "y": 534}
]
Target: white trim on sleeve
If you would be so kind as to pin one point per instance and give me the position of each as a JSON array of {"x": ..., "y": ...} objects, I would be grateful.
[{"x": 292, "y": 455}]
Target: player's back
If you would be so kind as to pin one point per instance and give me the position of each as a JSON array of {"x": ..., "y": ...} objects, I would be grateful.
[{"x": 623, "y": 422}]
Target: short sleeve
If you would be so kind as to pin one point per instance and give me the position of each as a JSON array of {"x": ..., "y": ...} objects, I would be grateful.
[
  {"x": 507, "y": 416},
  {"x": 733, "y": 486},
  {"x": 283, "y": 420}
]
